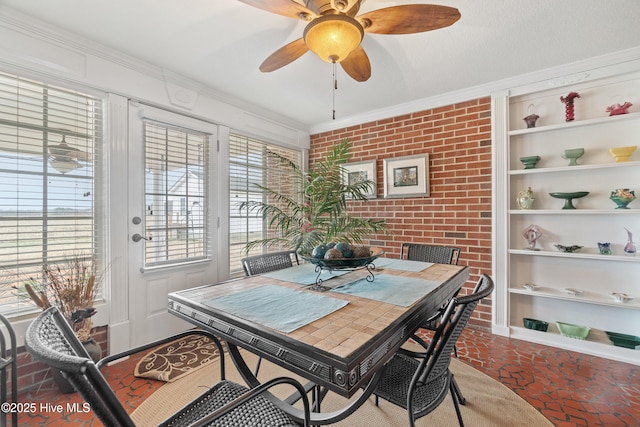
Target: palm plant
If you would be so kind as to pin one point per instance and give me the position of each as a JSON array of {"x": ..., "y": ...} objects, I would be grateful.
[{"x": 315, "y": 212}]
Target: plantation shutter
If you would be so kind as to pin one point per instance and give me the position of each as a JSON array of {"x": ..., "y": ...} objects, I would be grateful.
[
  {"x": 249, "y": 165},
  {"x": 176, "y": 186},
  {"x": 50, "y": 141}
]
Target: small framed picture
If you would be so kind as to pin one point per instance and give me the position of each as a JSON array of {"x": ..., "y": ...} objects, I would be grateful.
[
  {"x": 361, "y": 171},
  {"x": 406, "y": 176}
]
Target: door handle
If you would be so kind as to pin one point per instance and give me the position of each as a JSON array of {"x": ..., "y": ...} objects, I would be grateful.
[{"x": 137, "y": 237}]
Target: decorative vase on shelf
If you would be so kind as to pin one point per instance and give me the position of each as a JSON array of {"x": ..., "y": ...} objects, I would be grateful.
[
  {"x": 530, "y": 120},
  {"x": 604, "y": 248},
  {"x": 622, "y": 197},
  {"x": 568, "y": 105},
  {"x": 617, "y": 109},
  {"x": 525, "y": 199},
  {"x": 531, "y": 234},
  {"x": 630, "y": 248}
]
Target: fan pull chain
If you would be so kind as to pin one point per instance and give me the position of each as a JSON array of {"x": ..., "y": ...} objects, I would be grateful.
[{"x": 335, "y": 88}]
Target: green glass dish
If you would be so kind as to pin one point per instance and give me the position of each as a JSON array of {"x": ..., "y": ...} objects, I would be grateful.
[
  {"x": 568, "y": 198},
  {"x": 573, "y": 331},
  {"x": 624, "y": 340},
  {"x": 535, "y": 324}
]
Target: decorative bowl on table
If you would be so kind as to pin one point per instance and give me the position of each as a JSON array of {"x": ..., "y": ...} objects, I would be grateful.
[
  {"x": 622, "y": 154},
  {"x": 624, "y": 340},
  {"x": 572, "y": 155},
  {"x": 336, "y": 263},
  {"x": 622, "y": 197},
  {"x": 573, "y": 331},
  {"x": 530, "y": 162},
  {"x": 568, "y": 198},
  {"x": 535, "y": 324},
  {"x": 568, "y": 249}
]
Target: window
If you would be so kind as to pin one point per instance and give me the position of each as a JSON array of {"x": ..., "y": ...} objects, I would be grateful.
[
  {"x": 249, "y": 164},
  {"x": 50, "y": 141},
  {"x": 176, "y": 182}
]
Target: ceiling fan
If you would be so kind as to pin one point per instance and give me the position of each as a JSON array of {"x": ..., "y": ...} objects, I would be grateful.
[{"x": 334, "y": 31}]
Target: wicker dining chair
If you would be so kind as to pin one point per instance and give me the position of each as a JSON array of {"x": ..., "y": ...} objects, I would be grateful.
[
  {"x": 8, "y": 360},
  {"x": 430, "y": 253},
  {"x": 442, "y": 255},
  {"x": 420, "y": 381},
  {"x": 265, "y": 263},
  {"x": 50, "y": 339}
]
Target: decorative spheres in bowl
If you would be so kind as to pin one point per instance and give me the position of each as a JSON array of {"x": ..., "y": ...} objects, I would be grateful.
[{"x": 622, "y": 154}]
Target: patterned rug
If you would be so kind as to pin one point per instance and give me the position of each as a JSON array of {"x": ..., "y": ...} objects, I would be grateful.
[
  {"x": 177, "y": 358},
  {"x": 489, "y": 403}
]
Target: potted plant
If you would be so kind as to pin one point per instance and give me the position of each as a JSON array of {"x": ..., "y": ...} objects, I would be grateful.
[
  {"x": 315, "y": 211},
  {"x": 71, "y": 286}
]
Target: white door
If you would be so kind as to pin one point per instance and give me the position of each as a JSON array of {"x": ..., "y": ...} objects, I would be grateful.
[{"x": 171, "y": 217}]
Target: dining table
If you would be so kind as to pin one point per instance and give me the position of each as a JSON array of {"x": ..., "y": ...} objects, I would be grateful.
[{"x": 340, "y": 339}]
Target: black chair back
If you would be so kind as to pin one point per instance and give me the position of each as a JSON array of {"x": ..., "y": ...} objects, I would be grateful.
[
  {"x": 273, "y": 261},
  {"x": 50, "y": 340},
  {"x": 8, "y": 360},
  {"x": 430, "y": 253},
  {"x": 419, "y": 382}
]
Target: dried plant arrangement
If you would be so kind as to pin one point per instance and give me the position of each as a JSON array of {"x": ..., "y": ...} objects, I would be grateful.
[{"x": 71, "y": 286}]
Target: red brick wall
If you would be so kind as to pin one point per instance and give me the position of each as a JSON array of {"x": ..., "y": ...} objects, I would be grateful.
[
  {"x": 31, "y": 374},
  {"x": 458, "y": 210}
]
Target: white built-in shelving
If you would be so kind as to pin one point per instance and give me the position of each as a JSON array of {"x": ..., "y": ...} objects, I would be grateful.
[{"x": 568, "y": 287}]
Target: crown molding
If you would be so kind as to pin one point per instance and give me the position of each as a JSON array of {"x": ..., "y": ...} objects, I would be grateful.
[
  {"x": 181, "y": 89},
  {"x": 597, "y": 67}
]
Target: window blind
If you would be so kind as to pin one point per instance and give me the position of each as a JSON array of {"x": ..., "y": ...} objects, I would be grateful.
[
  {"x": 249, "y": 164},
  {"x": 50, "y": 140},
  {"x": 176, "y": 188}
]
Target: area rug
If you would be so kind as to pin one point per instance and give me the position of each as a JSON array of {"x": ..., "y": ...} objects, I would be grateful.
[
  {"x": 177, "y": 358},
  {"x": 489, "y": 403}
]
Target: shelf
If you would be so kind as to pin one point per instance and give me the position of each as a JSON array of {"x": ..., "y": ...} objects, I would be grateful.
[
  {"x": 578, "y": 255},
  {"x": 574, "y": 168},
  {"x": 576, "y": 124},
  {"x": 573, "y": 212},
  {"x": 596, "y": 348},
  {"x": 583, "y": 297},
  {"x": 594, "y": 276}
]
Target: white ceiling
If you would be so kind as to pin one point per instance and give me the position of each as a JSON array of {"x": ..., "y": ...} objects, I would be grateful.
[{"x": 221, "y": 43}]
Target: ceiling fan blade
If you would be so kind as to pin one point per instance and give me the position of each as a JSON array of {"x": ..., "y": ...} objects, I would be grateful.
[
  {"x": 283, "y": 56},
  {"x": 289, "y": 8},
  {"x": 357, "y": 65},
  {"x": 408, "y": 19}
]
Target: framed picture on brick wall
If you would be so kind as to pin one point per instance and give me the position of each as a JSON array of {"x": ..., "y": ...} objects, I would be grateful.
[
  {"x": 361, "y": 171},
  {"x": 406, "y": 176}
]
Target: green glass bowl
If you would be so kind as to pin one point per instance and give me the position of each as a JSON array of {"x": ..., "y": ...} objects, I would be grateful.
[
  {"x": 573, "y": 331},
  {"x": 535, "y": 324},
  {"x": 624, "y": 340},
  {"x": 530, "y": 162},
  {"x": 568, "y": 198}
]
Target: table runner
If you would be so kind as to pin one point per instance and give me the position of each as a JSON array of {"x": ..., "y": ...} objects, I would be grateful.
[
  {"x": 398, "y": 290},
  {"x": 276, "y": 307},
  {"x": 402, "y": 264},
  {"x": 303, "y": 274}
]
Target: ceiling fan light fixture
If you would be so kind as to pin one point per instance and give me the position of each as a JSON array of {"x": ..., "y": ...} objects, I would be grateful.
[
  {"x": 64, "y": 165},
  {"x": 333, "y": 37}
]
